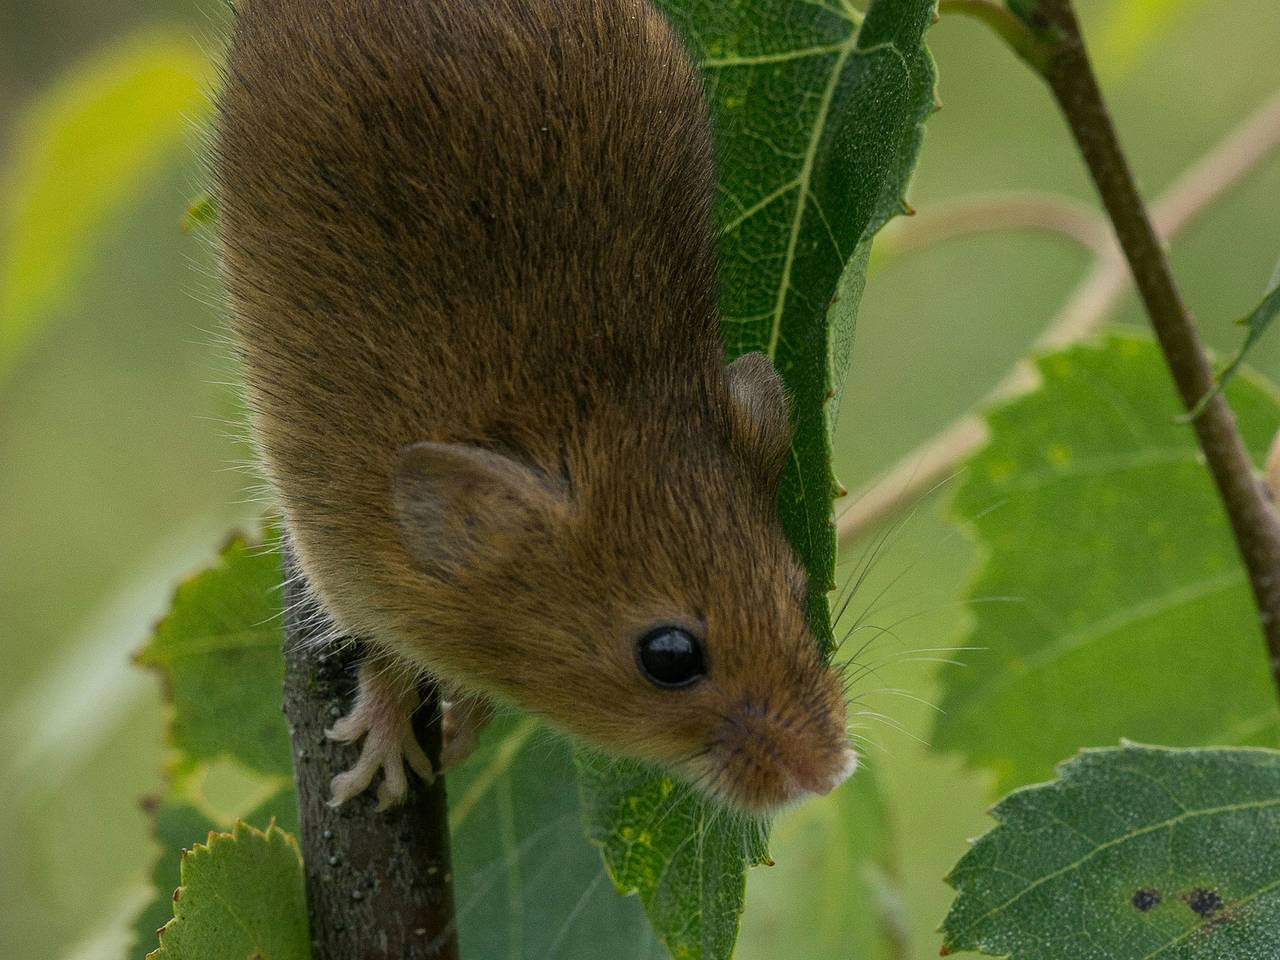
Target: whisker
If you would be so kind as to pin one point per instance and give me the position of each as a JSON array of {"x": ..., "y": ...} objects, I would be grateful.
[
  {"x": 890, "y": 722},
  {"x": 870, "y": 744},
  {"x": 899, "y": 692}
]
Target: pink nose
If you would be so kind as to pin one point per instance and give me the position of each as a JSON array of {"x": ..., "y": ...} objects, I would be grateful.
[{"x": 822, "y": 778}]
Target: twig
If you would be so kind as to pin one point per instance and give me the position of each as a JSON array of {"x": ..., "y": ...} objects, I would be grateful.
[
  {"x": 1222, "y": 168},
  {"x": 1254, "y": 520},
  {"x": 379, "y": 884}
]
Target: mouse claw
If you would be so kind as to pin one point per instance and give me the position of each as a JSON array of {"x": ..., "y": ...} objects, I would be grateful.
[{"x": 382, "y": 715}]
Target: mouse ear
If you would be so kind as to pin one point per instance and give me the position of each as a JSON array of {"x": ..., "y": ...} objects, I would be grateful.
[
  {"x": 760, "y": 410},
  {"x": 455, "y": 501}
]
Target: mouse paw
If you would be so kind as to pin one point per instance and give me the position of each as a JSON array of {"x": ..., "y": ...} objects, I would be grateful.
[
  {"x": 461, "y": 723},
  {"x": 382, "y": 715}
]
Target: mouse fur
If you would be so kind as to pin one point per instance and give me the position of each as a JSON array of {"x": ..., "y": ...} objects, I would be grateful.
[{"x": 472, "y": 265}]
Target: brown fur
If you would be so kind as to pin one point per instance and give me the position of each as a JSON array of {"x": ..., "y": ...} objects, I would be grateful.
[{"x": 488, "y": 223}]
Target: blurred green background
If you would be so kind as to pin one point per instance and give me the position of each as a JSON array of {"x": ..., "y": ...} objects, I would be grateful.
[{"x": 119, "y": 453}]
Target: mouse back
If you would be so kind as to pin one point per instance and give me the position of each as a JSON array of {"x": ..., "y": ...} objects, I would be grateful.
[{"x": 474, "y": 188}]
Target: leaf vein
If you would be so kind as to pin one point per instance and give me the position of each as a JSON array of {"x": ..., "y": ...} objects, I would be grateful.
[
  {"x": 1166, "y": 824},
  {"x": 785, "y": 56},
  {"x": 1072, "y": 640},
  {"x": 749, "y": 212},
  {"x": 805, "y": 179}
]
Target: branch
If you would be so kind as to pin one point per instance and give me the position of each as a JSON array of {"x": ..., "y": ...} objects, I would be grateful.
[
  {"x": 379, "y": 884},
  {"x": 1254, "y": 520},
  {"x": 924, "y": 468}
]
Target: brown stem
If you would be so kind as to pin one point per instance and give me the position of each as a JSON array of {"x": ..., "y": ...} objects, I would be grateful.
[
  {"x": 379, "y": 884},
  {"x": 1253, "y": 518}
]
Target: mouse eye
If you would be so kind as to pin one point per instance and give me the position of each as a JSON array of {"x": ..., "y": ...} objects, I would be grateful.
[{"x": 671, "y": 657}]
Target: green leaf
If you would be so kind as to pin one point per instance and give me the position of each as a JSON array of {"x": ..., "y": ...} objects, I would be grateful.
[
  {"x": 1112, "y": 602},
  {"x": 190, "y": 809},
  {"x": 832, "y": 892},
  {"x": 527, "y": 883},
  {"x": 679, "y": 851},
  {"x": 1133, "y": 853},
  {"x": 218, "y": 651},
  {"x": 176, "y": 826},
  {"x": 1257, "y": 321},
  {"x": 80, "y": 150},
  {"x": 818, "y": 118},
  {"x": 241, "y": 897}
]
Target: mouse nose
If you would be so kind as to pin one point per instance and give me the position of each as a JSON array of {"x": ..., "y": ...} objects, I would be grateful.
[
  {"x": 774, "y": 752},
  {"x": 822, "y": 775}
]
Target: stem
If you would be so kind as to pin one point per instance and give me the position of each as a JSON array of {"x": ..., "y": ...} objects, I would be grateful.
[
  {"x": 379, "y": 884},
  {"x": 1011, "y": 28},
  {"x": 1254, "y": 521},
  {"x": 1195, "y": 191}
]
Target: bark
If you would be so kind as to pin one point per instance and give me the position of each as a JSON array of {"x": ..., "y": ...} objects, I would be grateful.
[{"x": 379, "y": 884}]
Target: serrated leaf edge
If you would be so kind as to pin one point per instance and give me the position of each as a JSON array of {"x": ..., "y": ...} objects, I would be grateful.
[{"x": 240, "y": 831}]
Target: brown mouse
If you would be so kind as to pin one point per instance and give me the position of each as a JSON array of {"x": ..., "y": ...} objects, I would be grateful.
[{"x": 472, "y": 264}]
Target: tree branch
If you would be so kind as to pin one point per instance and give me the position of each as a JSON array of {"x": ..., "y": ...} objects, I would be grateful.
[
  {"x": 379, "y": 884},
  {"x": 924, "y": 468},
  {"x": 1253, "y": 517}
]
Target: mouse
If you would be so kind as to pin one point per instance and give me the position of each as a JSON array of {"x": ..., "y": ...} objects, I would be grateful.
[{"x": 471, "y": 259}]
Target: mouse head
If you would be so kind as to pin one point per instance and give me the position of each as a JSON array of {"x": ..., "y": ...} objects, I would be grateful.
[{"x": 644, "y": 597}]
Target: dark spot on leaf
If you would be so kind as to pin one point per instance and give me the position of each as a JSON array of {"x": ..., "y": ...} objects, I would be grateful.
[
  {"x": 177, "y": 894},
  {"x": 1145, "y": 899},
  {"x": 1205, "y": 903}
]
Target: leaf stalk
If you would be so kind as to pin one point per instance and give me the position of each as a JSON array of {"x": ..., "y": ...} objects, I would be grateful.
[{"x": 1011, "y": 28}]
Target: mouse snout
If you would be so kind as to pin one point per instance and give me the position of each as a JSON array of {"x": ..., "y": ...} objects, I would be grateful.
[
  {"x": 769, "y": 754},
  {"x": 825, "y": 776}
]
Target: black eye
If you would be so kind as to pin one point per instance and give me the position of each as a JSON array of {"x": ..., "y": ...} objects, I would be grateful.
[{"x": 671, "y": 657}]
